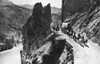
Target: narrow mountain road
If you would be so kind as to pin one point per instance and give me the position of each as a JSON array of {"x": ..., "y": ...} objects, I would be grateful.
[
  {"x": 83, "y": 55},
  {"x": 11, "y": 56}
]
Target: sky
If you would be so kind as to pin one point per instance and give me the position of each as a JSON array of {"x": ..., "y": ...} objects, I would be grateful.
[{"x": 56, "y": 3}]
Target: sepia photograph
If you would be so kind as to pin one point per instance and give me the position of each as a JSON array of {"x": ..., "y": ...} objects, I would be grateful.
[{"x": 49, "y": 31}]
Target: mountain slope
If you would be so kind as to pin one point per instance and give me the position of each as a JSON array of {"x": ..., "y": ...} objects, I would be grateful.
[
  {"x": 70, "y": 7},
  {"x": 11, "y": 17},
  {"x": 11, "y": 14},
  {"x": 5, "y": 2}
]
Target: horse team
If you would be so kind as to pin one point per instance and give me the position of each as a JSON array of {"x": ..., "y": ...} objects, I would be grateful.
[{"x": 67, "y": 29}]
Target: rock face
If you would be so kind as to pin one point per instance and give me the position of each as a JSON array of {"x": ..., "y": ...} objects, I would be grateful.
[
  {"x": 37, "y": 27},
  {"x": 70, "y": 7},
  {"x": 87, "y": 23}
]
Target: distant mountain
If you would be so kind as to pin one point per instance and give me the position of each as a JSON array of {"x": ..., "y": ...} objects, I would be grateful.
[
  {"x": 27, "y": 6},
  {"x": 5, "y": 2},
  {"x": 54, "y": 10}
]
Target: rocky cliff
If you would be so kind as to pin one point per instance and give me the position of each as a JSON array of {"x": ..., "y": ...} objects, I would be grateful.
[
  {"x": 37, "y": 27},
  {"x": 87, "y": 22}
]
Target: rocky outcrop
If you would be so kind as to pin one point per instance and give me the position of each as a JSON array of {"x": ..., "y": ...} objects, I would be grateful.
[{"x": 37, "y": 27}]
